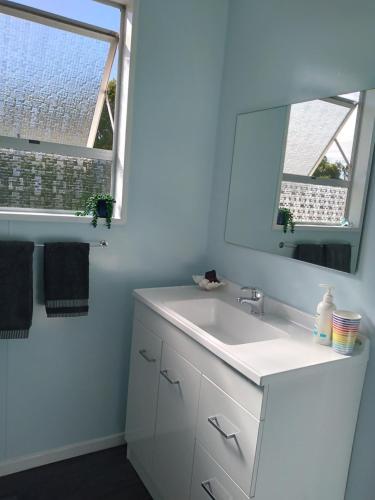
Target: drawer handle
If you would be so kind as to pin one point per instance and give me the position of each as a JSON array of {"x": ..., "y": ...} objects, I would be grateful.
[
  {"x": 214, "y": 421},
  {"x": 145, "y": 356},
  {"x": 207, "y": 486},
  {"x": 167, "y": 377}
]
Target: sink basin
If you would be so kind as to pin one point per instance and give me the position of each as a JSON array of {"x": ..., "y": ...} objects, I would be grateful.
[{"x": 226, "y": 323}]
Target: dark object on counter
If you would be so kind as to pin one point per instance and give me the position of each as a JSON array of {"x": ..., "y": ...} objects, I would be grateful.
[
  {"x": 211, "y": 276},
  {"x": 66, "y": 279},
  {"x": 310, "y": 252},
  {"x": 16, "y": 288},
  {"x": 339, "y": 256}
]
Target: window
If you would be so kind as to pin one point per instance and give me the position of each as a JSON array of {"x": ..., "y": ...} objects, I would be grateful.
[
  {"x": 58, "y": 123},
  {"x": 319, "y": 159}
]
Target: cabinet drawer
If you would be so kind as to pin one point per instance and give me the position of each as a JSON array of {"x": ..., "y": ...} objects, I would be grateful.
[
  {"x": 229, "y": 433},
  {"x": 210, "y": 481},
  {"x": 175, "y": 425}
]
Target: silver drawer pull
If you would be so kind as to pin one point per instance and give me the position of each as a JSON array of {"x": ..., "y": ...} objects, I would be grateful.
[
  {"x": 145, "y": 356},
  {"x": 167, "y": 377},
  {"x": 214, "y": 421},
  {"x": 207, "y": 486}
]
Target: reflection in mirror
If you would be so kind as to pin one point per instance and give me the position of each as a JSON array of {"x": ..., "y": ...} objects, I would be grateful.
[
  {"x": 299, "y": 179},
  {"x": 318, "y": 159}
]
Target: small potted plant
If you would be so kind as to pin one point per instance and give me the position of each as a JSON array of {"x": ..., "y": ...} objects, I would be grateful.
[
  {"x": 100, "y": 206},
  {"x": 285, "y": 218}
]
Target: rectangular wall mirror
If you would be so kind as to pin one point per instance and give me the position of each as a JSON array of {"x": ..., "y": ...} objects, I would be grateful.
[{"x": 299, "y": 179}]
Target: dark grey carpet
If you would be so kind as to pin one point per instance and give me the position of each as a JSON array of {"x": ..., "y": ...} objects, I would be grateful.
[{"x": 105, "y": 475}]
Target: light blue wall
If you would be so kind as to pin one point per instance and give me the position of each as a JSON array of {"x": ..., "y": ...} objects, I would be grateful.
[
  {"x": 277, "y": 53},
  {"x": 67, "y": 383}
]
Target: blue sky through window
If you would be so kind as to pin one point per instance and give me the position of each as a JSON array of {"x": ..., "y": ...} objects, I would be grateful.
[{"x": 87, "y": 11}]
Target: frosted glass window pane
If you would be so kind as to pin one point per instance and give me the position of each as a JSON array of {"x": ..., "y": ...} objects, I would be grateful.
[
  {"x": 311, "y": 126},
  {"x": 49, "y": 81},
  {"x": 314, "y": 203},
  {"x": 50, "y": 181}
]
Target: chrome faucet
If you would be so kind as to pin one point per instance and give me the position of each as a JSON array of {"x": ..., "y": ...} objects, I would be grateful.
[{"x": 256, "y": 299}]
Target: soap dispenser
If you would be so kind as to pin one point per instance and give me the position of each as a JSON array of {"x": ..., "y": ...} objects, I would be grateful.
[{"x": 322, "y": 332}]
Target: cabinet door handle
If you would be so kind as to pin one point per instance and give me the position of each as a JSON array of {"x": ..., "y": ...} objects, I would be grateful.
[
  {"x": 143, "y": 353},
  {"x": 214, "y": 421},
  {"x": 207, "y": 486},
  {"x": 167, "y": 377}
]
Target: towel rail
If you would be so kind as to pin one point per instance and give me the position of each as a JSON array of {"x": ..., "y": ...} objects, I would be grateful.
[
  {"x": 101, "y": 244},
  {"x": 284, "y": 244}
]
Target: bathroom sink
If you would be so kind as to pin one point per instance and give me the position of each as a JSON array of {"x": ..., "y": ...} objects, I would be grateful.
[{"x": 227, "y": 323}]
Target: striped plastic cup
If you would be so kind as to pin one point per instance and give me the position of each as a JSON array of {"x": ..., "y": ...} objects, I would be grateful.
[{"x": 345, "y": 327}]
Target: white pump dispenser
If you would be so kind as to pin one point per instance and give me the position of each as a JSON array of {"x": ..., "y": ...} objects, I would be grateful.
[{"x": 322, "y": 332}]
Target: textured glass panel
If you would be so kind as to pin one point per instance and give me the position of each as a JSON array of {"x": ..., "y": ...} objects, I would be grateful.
[
  {"x": 314, "y": 203},
  {"x": 49, "y": 81},
  {"x": 312, "y": 125},
  {"x": 44, "y": 180}
]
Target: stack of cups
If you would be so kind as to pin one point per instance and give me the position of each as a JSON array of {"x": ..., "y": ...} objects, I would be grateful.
[{"x": 345, "y": 331}]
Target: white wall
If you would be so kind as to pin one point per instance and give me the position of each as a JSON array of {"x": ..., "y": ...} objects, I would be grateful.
[
  {"x": 278, "y": 53},
  {"x": 67, "y": 383}
]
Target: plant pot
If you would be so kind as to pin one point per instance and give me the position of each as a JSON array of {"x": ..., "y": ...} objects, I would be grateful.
[
  {"x": 101, "y": 209},
  {"x": 280, "y": 219}
]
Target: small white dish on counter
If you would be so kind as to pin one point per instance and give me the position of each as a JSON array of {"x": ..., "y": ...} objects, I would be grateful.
[{"x": 205, "y": 284}]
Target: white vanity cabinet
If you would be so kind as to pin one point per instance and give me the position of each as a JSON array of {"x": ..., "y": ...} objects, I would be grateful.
[{"x": 198, "y": 429}]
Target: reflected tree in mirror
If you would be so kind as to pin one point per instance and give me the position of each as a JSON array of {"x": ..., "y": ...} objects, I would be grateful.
[{"x": 329, "y": 170}]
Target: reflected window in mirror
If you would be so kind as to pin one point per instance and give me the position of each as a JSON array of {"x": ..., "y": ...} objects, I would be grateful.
[
  {"x": 319, "y": 159},
  {"x": 314, "y": 160}
]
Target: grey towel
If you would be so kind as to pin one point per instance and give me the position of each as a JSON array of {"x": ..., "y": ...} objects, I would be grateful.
[
  {"x": 16, "y": 288},
  {"x": 310, "y": 252},
  {"x": 66, "y": 279},
  {"x": 339, "y": 256}
]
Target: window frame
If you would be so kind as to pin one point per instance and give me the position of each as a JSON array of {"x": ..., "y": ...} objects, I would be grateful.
[
  {"x": 327, "y": 182},
  {"x": 121, "y": 43}
]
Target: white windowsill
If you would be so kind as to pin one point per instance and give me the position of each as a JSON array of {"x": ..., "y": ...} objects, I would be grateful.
[
  {"x": 52, "y": 217},
  {"x": 319, "y": 227}
]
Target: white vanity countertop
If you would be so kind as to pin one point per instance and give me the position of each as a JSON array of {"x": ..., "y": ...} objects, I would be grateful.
[{"x": 259, "y": 361}]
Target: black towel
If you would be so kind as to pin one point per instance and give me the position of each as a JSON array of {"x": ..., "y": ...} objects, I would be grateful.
[
  {"x": 310, "y": 252},
  {"x": 16, "y": 288},
  {"x": 339, "y": 256},
  {"x": 66, "y": 279}
]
